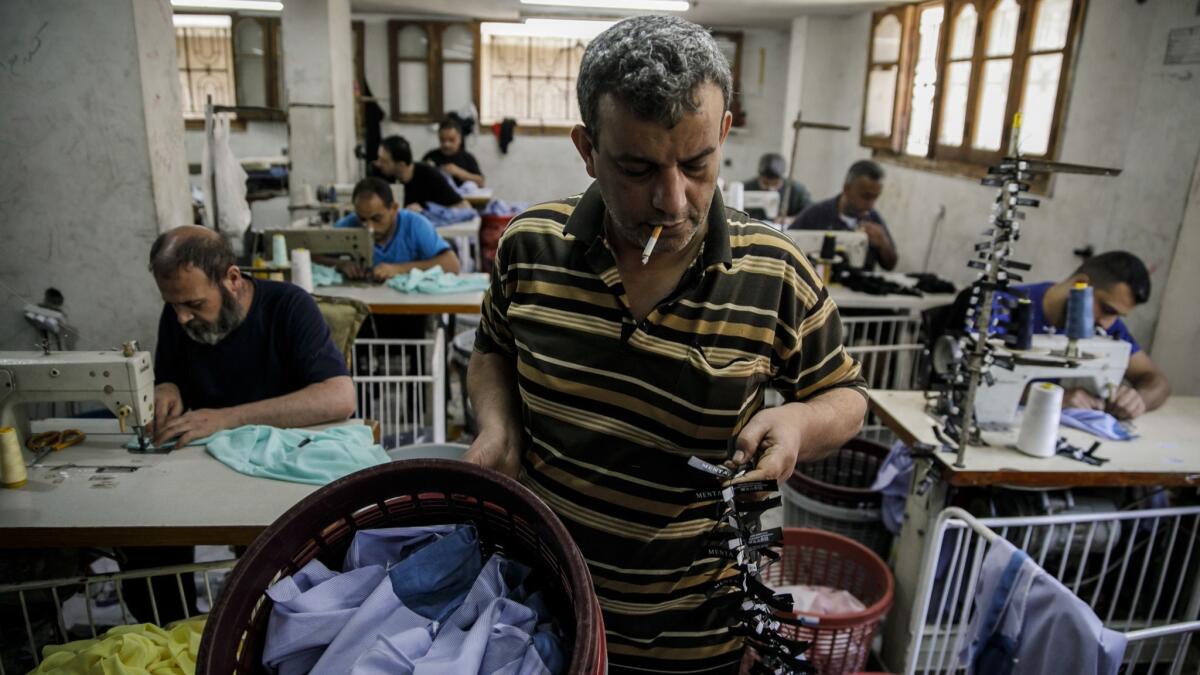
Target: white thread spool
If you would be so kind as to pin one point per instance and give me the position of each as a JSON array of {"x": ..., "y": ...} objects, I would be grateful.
[
  {"x": 737, "y": 195},
  {"x": 1039, "y": 428},
  {"x": 12, "y": 462},
  {"x": 279, "y": 255},
  {"x": 302, "y": 269}
]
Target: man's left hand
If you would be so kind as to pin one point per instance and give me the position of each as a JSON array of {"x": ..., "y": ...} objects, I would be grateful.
[
  {"x": 875, "y": 232},
  {"x": 193, "y": 425},
  {"x": 454, "y": 170},
  {"x": 1127, "y": 404},
  {"x": 774, "y": 436},
  {"x": 385, "y": 271}
]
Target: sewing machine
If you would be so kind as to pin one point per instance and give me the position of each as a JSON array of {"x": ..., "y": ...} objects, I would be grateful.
[
  {"x": 852, "y": 244},
  {"x": 122, "y": 380},
  {"x": 1099, "y": 368},
  {"x": 355, "y": 243}
]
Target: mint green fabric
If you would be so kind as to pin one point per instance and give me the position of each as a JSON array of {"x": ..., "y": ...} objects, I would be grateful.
[
  {"x": 434, "y": 280},
  {"x": 324, "y": 275},
  {"x": 267, "y": 452}
]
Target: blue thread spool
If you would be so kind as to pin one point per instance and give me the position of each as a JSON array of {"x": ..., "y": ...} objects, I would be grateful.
[{"x": 1081, "y": 324}]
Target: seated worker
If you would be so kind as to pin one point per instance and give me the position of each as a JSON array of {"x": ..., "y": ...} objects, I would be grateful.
[
  {"x": 450, "y": 155},
  {"x": 422, "y": 182},
  {"x": 1119, "y": 283},
  {"x": 854, "y": 209},
  {"x": 772, "y": 175},
  {"x": 404, "y": 240},
  {"x": 231, "y": 351}
]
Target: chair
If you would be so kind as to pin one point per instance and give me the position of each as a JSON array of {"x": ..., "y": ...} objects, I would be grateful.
[{"x": 344, "y": 316}]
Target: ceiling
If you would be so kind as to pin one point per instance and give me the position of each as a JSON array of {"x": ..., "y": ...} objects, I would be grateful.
[{"x": 776, "y": 13}]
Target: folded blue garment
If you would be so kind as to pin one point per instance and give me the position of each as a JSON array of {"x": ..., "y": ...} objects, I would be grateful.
[
  {"x": 434, "y": 280},
  {"x": 892, "y": 481},
  {"x": 389, "y": 546},
  {"x": 427, "y": 585},
  {"x": 446, "y": 215},
  {"x": 324, "y": 275},
  {"x": 1097, "y": 423},
  {"x": 499, "y": 207},
  {"x": 297, "y": 455}
]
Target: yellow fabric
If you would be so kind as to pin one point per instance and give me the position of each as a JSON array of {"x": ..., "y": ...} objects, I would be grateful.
[{"x": 140, "y": 649}]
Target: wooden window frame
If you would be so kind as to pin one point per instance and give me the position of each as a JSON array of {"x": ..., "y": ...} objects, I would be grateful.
[
  {"x": 735, "y": 100},
  {"x": 965, "y": 160},
  {"x": 272, "y": 49},
  {"x": 434, "y": 61}
]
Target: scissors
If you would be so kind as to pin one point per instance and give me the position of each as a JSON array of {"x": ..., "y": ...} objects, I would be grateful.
[{"x": 53, "y": 441}]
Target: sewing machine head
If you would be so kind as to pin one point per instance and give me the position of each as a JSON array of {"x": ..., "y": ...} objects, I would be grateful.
[
  {"x": 852, "y": 244},
  {"x": 1099, "y": 368},
  {"x": 354, "y": 243},
  {"x": 122, "y": 380}
]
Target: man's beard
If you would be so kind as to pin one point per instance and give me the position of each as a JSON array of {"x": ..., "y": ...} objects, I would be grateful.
[{"x": 228, "y": 319}]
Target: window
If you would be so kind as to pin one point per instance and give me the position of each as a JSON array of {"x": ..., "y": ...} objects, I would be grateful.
[
  {"x": 235, "y": 60},
  {"x": 432, "y": 67},
  {"x": 945, "y": 78}
]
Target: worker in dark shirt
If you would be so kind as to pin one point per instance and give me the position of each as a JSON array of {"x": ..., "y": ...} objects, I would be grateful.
[
  {"x": 854, "y": 209},
  {"x": 423, "y": 184},
  {"x": 451, "y": 155}
]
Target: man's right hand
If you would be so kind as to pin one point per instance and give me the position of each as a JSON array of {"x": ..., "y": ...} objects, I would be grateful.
[
  {"x": 168, "y": 404},
  {"x": 352, "y": 270},
  {"x": 495, "y": 453},
  {"x": 1082, "y": 398}
]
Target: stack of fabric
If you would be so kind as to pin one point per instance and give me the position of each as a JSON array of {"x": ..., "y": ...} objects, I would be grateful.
[
  {"x": 412, "y": 600},
  {"x": 434, "y": 280},
  {"x": 140, "y": 648}
]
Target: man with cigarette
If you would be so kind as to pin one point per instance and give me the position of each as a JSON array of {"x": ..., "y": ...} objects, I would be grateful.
[
  {"x": 854, "y": 209},
  {"x": 638, "y": 324}
]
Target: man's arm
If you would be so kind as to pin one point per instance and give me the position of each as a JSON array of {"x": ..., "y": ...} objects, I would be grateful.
[
  {"x": 492, "y": 384},
  {"x": 1149, "y": 390},
  {"x": 463, "y": 174},
  {"x": 881, "y": 241},
  {"x": 799, "y": 432},
  {"x": 328, "y": 401},
  {"x": 447, "y": 259}
]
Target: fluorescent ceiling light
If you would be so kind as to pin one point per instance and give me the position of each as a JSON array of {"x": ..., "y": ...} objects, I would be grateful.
[
  {"x": 235, "y": 5},
  {"x": 645, "y": 5},
  {"x": 547, "y": 28},
  {"x": 202, "y": 20}
]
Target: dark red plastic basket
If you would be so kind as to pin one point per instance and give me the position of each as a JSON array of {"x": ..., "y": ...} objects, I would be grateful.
[{"x": 510, "y": 520}]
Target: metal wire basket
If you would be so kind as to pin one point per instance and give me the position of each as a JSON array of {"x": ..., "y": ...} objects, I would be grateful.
[
  {"x": 834, "y": 494},
  {"x": 510, "y": 520}
]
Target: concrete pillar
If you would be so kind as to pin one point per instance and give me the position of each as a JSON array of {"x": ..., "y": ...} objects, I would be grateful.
[
  {"x": 318, "y": 76},
  {"x": 94, "y": 163}
]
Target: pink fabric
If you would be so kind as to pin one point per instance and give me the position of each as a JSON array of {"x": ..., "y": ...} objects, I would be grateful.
[{"x": 822, "y": 600}]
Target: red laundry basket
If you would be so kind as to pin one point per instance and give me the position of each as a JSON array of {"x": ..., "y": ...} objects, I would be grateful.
[
  {"x": 841, "y": 643},
  {"x": 510, "y": 520},
  {"x": 490, "y": 229}
]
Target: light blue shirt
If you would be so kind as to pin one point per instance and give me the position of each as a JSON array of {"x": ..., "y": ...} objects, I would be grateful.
[{"x": 413, "y": 240}]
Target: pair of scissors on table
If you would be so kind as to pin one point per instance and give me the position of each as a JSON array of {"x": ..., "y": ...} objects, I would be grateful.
[{"x": 53, "y": 441}]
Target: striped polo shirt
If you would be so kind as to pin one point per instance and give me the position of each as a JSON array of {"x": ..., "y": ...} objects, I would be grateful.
[{"x": 613, "y": 407}]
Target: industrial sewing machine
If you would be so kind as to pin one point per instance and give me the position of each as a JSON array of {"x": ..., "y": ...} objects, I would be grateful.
[
  {"x": 122, "y": 380},
  {"x": 1099, "y": 367},
  {"x": 852, "y": 244},
  {"x": 352, "y": 243}
]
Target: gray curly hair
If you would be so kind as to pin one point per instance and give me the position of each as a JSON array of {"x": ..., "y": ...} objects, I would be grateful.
[{"x": 652, "y": 64}]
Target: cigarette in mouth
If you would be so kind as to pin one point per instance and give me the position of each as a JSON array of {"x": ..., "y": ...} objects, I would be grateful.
[{"x": 650, "y": 244}]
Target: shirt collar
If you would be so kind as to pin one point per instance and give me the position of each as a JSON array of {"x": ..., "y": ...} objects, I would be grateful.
[{"x": 586, "y": 223}]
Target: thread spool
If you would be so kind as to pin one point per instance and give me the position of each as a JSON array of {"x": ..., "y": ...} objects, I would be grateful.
[
  {"x": 302, "y": 269},
  {"x": 828, "y": 247},
  {"x": 1081, "y": 323},
  {"x": 279, "y": 254},
  {"x": 12, "y": 462},
  {"x": 1022, "y": 321},
  {"x": 1039, "y": 428}
]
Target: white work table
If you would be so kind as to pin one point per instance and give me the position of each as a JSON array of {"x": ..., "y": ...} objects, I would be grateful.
[
  {"x": 98, "y": 493},
  {"x": 1167, "y": 451},
  {"x": 848, "y": 299},
  {"x": 384, "y": 300}
]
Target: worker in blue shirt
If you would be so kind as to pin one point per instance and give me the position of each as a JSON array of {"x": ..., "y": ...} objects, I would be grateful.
[
  {"x": 1120, "y": 282},
  {"x": 404, "y": 240}
]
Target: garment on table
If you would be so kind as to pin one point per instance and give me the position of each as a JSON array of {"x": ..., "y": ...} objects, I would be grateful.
[
  {"x": 614, "y": 407},
  {"x": 892, "y": 482},
  {"x": 429, "y": 185},
  {"x": 281, "y": 347},
  {"x": 297, "y": 455},
  {"x": 447, "y": 215},
  {"x": 434, "y": 280},
  {"x": 822, "y": 600},
  {"x": 826, "y": 216},
  {"x": 1037, "y": 315},
  {"x": 324, "y": 275},
  {"x": 413, "y": 239},
  {"x": 129, "y": 650},
  {"x": 798, "y": 198},
  {"x": 1097, "y": 423},
  {"x": 499, "y": 207},
  {"x": 462, "y": 159},
  {"x": 1026, "y": 621}
]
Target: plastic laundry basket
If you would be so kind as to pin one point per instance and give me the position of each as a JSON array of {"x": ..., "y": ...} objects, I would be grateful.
[
  {"x": 834, "y": 494},
  {"x": 510, "y": 520},
  {"x": 842, "y": 642}
]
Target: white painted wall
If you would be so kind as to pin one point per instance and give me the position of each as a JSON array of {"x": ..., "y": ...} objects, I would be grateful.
[
  {"x": 1179, "y": 323},
  {"x": 1126, "y": 109},
  {"x": 94, "y": 164}
]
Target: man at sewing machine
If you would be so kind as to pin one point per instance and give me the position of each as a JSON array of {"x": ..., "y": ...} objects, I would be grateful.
[
  {"x": 234, "y": 350},
  {"x": 854, "y": 209},
  {"x": 423, "y": 184},
  {"x": 404, "y": 240},
  {"x": 1120, "y": 282},
  {"x": 772, "y": 175}
]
